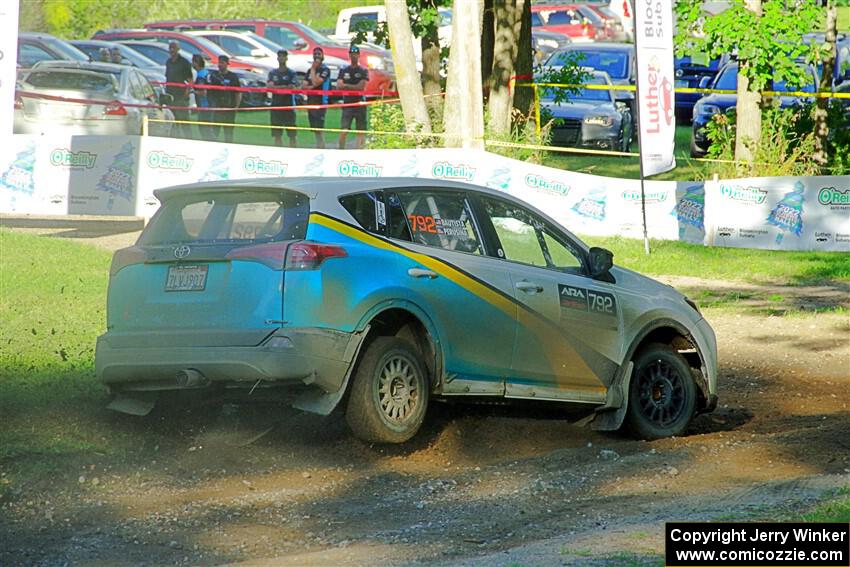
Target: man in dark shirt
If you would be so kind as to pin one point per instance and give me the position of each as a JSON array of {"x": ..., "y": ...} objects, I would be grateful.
[
  {"x": 178, "y": 70},
  {"x": 283, "y": 77},
  {"x": 224, "y": 98},
  {"x": 353, "y": 78},
  {"x": 318, "y": 78}
]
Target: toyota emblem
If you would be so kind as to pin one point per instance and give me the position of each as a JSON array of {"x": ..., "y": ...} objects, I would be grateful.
[{"x": 181, "y": 252}]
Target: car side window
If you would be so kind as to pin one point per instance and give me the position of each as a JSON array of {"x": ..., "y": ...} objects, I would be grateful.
[
  {"x": 441, "y": 219},
  {"x": 282, "y": 36},
  {"x": 367, "y": 209},
  {"x": 234, "y": 46},
  {"x": 526, "y": 238},
  {"x": 29, "y": 55}
]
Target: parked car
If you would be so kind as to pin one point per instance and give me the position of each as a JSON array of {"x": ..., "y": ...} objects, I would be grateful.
[
  {"x": 158, "y": 51},
  {"x": 564, "y": 19},
  {"x": 727, "y": 80},
  {"x": 151, "y": 69},
  {"x": 690, "y": 73},
  {"x": 391, "y": 292},
  {"x": 300, "y": 39},
  {"x": 604, "y": 30},
  {"x": 117, "y": 97},
  {"x": 545, "y": 43},
  {"x": 351, "y": 20},
  {"x": 617, "y": 60},
  {"x": 35, "y": 47},
  {"x": 612, "y": 23},
  {"x": 591, "y": 118},
  {"x": 252, "y": 48}
]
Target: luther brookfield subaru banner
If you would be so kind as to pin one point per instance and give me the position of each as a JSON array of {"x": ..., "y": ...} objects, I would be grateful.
[{"x": 655, "y": 75}]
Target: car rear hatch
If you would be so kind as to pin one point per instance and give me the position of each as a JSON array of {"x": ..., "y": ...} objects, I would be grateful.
[
  {"x": 207, "y": 270},
  {"x": 72, "y": 94}
]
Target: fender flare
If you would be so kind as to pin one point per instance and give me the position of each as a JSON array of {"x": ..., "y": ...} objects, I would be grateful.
[{"x": 610, "y": 416}]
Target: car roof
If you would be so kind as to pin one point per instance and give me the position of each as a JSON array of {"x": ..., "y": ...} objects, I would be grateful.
[
  {"x": 593, "y": 46},
  {"x": 334, "y": 186}
]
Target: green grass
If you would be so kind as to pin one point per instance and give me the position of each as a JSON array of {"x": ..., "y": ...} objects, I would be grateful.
[
  {"x": 835, "y": 509},
  {"x": 759, "y": 266}
]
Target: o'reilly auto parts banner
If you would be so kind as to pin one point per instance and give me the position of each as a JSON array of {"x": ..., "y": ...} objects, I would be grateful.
[{"x": 655, "y": 75}]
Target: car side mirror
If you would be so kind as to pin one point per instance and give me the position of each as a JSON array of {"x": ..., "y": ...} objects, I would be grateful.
[
  {"x": 704, "y": 82},
  {"x": 600, "y": 262},
  {"x": 299, "y": 44}
]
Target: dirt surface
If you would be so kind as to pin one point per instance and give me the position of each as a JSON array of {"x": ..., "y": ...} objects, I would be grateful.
[{"x": 249, "y": 481}]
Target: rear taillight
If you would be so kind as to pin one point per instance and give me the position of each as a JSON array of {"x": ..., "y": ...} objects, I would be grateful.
[
  {"x": 126, "y": 257},
  {"x": 271, "y": 254},
  {"x": 626, "y": 12},
  {"x": 310, "y": 255},
  {"x": 19, "y": 103},
  {"x": 115, "y": 108}
]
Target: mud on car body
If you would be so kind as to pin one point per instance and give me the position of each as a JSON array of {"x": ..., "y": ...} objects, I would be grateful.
[{"x": 395, "y": 291}]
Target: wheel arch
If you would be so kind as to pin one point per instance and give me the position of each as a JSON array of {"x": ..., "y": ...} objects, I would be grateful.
[{"x": 611, "y": 415}]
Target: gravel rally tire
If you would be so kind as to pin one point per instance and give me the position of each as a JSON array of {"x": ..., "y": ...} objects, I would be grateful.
[
  {"x": 662, "y": 393},
  {"x": 389, "y": 392}
]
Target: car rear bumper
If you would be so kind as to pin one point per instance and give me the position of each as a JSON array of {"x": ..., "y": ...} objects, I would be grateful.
[{"x": 318, "y": 357}]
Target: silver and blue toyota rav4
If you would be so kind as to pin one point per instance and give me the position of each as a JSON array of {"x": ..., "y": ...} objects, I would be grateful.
[{"x": 388, "y": 292}]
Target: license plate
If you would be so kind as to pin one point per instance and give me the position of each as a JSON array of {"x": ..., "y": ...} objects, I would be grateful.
[
  {"x": 681, "y": 84},
  {"x": 186, "y": 278}
]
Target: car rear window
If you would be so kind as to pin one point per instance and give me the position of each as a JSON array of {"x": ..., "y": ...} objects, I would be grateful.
[
  {"x": 367, "y": 209},
  {"x": 236, "y": 216},
  {"x": 101, "y": 83}
]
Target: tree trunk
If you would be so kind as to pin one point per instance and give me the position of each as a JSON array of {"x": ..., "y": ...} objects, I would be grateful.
[
  {"x": 488, "y": 41},
  {"x": 431, "y": 69},
  {"x": 524, "y": 96},
  {"x": 508, "y": 32},
  {"x": 407, "y": 77},
  {"x": 748, "y": 109},
  {"x": 822, "y": 105},
  {"x": 464, "y": 111}
]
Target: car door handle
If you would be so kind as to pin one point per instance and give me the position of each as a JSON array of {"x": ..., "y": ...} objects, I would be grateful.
[
  {"x": 529, "y": 287},
  {"x": 421, "y": 273}
]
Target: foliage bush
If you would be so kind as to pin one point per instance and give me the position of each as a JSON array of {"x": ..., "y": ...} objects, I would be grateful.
[{"x": 388, "y": 121}]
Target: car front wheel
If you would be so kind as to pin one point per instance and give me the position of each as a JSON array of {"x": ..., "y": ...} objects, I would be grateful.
[
  {"x": 389, "y": 392},
  {"x": 662, "y": 393}
]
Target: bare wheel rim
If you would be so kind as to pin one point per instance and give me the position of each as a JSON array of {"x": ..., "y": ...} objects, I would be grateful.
[
  {"x": 661, "y": 393},
  {"x": 398, "y": 389}
]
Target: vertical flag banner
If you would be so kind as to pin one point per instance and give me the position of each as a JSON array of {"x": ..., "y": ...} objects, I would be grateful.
[
  {"x": 655, "y": 77},
  {"x": 8, "y": 66}
]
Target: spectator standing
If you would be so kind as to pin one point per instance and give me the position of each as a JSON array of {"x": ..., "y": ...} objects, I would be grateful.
[
  {"x": 201, "y": 95},
  {"x": 178, "y": 70},
  {"x": 318, "y": 78},
  {"x": 286, "y": 78},
  {"x": 353, "y": 78},
  {"x": 224, "y": 98}
]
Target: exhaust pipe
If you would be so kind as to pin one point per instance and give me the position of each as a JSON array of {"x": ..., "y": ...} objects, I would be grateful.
[{"x": 191, "y": 378}]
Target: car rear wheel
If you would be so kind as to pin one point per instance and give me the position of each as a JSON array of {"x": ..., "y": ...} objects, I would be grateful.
[
  {"x": 662, "y": 393},
  {"x": 389, "y": 392}
]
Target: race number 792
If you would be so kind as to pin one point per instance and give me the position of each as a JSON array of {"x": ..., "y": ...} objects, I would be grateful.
[{"x": 602, "y": 302}]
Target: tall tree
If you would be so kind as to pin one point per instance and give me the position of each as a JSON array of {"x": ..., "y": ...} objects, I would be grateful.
[
  {"x": 524, "y": 97},
  {"x": 507, "y": 46},
  {"x": 488, "y": 43},
  {"x": 416, "y": 116},
  {"x": 768, "y": 44},
  {"x": 827, "y": 55},
  {"x": 431, "y": 55},
  {"x": 463, "y": 118}
]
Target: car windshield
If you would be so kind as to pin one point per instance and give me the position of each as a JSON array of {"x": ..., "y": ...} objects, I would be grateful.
[
  {"x": 548, "y": 94},
  {"x": 616, "y": 64},
  {"x": 728, "y": 81},
  {"x": 69, "y": 51},
  {"x": 73, "y": 80},
  {"x": 315, "y": 36},
  {"x": 268, "y": 44}
]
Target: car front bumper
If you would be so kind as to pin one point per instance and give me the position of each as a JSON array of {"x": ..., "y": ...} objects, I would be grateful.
[{"x": 317, "y": 357}]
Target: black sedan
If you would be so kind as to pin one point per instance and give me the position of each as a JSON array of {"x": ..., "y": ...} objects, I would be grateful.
[{"x": 591, "y": 118}]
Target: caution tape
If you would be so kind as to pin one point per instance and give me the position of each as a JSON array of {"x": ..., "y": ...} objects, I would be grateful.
[
  {"x": 276, "y": 90},
  {"x": 631, "y": 88}
]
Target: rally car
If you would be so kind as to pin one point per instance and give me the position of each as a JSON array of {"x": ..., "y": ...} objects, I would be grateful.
[{"x": 386, "y": 293}]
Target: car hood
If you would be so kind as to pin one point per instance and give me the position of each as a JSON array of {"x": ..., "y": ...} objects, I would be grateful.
[
  {"x": 580, "y": 109},
  {"x": 644, "y": 285}
]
